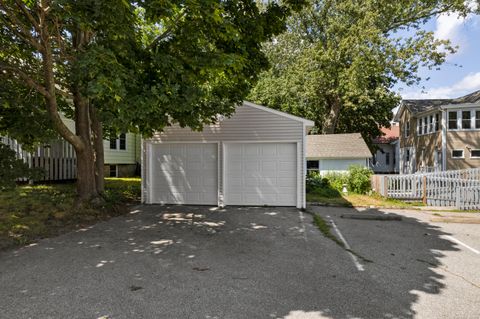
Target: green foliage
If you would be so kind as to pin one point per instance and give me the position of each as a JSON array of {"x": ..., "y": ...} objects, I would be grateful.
[
  {"x": 142, "y": 65},
  {"x": 339, "y": 61},
  {"x": 314, "y": 181},
  {"x": 336, "y": 180},
  {"x": 31, "y": 212},
  {"x": 12, "y": 168},
  {"x": 359, "y": 179}
]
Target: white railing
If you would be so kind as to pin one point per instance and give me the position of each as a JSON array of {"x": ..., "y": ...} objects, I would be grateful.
[
  {"x": 57, "y": 159},
  {"x": 460, "y": 188},
  {"x": 468, "y": 198}
]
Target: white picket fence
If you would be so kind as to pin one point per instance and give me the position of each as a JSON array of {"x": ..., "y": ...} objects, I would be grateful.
[
  {"x": 57, "y": 159},
  {"x": 459, "y": 188}
]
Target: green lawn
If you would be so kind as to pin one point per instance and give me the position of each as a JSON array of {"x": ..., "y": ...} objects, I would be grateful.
[
  {"x": 31, "y": 212},
  {"x": 349, "y": 200}
]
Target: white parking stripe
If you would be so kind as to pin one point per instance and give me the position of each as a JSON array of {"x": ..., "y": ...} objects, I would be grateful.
[
  {"x": 463, "y": 244},
  {"x": 354, "y": 258}
]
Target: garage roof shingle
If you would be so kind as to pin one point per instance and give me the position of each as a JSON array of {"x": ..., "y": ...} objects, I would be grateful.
[{"x": 337, "y": 146}]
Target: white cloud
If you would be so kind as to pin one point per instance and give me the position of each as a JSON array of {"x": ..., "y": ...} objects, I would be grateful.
[
  {"x": 452, "y": 26},
  {"x": 468, "y": 84}
]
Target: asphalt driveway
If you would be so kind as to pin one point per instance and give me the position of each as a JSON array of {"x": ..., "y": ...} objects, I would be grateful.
[{"x": 201, "y": 262}]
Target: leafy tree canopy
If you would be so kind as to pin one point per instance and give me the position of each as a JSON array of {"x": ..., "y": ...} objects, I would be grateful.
[
  {"x": 117, "y": 65},
  {"x": 339, "y": 60}
]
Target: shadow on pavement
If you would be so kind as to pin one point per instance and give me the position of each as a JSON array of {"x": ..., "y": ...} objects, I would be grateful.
[{"x": 238, "y": 262}]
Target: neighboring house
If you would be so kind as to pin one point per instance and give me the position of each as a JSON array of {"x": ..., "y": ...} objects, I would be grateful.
[
  {"x": 336, "y": 152},
  {"x": 439, "y": 134},
  {"x": 255, "y": 157},
  {"x": 57, "y": 158},
  {"x": 122, "y": 155},
  {"x": 385, "y": 160}
]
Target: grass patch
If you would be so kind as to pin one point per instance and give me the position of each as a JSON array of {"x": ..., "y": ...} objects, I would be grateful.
[
  {"x": 350, "y": 200},
  {"x": 29, "y": 212},
  {"x": 325, "y": 229}
]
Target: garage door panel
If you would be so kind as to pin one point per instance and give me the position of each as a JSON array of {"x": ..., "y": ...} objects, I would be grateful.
[
  {"x": 266, "y": 176},
  {"x": 286, "y": 181},
  {"x": 184, "y": 173}
]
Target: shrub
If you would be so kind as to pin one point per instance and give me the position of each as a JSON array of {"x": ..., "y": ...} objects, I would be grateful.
[
  {"x": 359, "y": 179},
  {"x": 337, "y": 180},
  {"x": 315, "y": 181},
  {"x": 12, "y": 168}
]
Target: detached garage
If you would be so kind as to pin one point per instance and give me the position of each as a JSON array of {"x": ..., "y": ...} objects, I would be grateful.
[{"x": 255, "y": 158}]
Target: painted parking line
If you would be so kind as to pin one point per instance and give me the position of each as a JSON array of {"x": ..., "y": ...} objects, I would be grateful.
[
  {"x": 355, "y": 260},
  {"x": 462, "y": 244}
]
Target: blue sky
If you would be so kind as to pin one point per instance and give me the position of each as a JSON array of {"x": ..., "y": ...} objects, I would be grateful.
[{"x": 460, "y": 75}]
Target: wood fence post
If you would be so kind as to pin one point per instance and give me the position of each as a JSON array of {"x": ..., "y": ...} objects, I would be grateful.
[
  {"x": 424, "y": 195},
  {"x": 385, "y": 186}
]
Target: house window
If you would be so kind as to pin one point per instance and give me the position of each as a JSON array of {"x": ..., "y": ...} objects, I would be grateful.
[
  {"x": 419, "y": 126},
  {"x": 312, "y": 166},
  {"x": 113, "y": 143},
  {"x": 466, "y": 120},
  {"x": 394, "y": 158},
  {"x": 113, "y": 171},
  {"x": 407, "y": 156},
  {"x": 118, "y": 143},
  {"x": 425, "y": 125},
  {"x": 407, "y": 128},
  {"x": 457, "y": 154},
  {"x": 475, "y": 153},
  {"x": 430, "y": 124},
  {"x": 452, "y": 120},
  {"x": 122, "y": 141},
  {"x": 437, "y": 122},
  {"x": 387, "y": 158},
  {"x": 477, "y": 119}
]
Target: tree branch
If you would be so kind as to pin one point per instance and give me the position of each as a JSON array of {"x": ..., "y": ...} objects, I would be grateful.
[
  {"x": 168, "y": 31},
  {"x": 25, "y": 77},
  {"x": 19, "y": 28},
  {"x": 27, "y": 13}
]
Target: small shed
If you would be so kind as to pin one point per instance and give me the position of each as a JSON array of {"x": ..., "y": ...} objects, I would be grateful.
[
  {"x": 336, "y": 152},
  {"x": 256, "y": 157}
]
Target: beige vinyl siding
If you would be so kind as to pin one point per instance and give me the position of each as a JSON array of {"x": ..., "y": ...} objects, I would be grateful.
[
  {"x": 247, "y": 124},
  {"x": 466, "y": 141},
  {"x": 127, "y": 156}
]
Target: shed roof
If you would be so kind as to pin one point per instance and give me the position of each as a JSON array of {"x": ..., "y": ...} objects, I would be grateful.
[{"x": 337, "y": 146}]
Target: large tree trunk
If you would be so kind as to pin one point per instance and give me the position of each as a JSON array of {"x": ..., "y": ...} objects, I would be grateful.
[
  {"x": 97, "y": 132},
  {"x": 331, "y": 120},
  {"x": 86, "y": 182}
]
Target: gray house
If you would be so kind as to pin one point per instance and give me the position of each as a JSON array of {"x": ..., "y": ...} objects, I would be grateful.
[{"x": 255, "y": 157}]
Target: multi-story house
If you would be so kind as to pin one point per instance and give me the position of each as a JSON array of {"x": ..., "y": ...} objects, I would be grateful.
[
  {"x": 385, "y": 160},
  {"x": 439, "y": 134}
]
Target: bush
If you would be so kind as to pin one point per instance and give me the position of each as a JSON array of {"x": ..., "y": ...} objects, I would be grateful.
[
  {"x": 359, "y": 179},
  {"x": 331, "y": 184},
  {"x": 12, "y": 168},
  {"x": 337, "y": 180},
  {"x": 315, "y": 181}
]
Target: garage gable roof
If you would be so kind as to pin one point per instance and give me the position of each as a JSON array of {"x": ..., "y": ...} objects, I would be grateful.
[
  {"x": 337, "y": 146},
  {"x": 307, "y": 123}
]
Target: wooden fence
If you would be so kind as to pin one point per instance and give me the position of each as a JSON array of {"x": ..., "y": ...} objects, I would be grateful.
[
  {"x": 57, "y": 159},
  {"x": 460, "y": 188}
]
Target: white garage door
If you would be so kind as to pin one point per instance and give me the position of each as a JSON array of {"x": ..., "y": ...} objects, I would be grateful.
[
  {"x": 261, "y": 174},
  {"x": 184, "y": 173}
]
